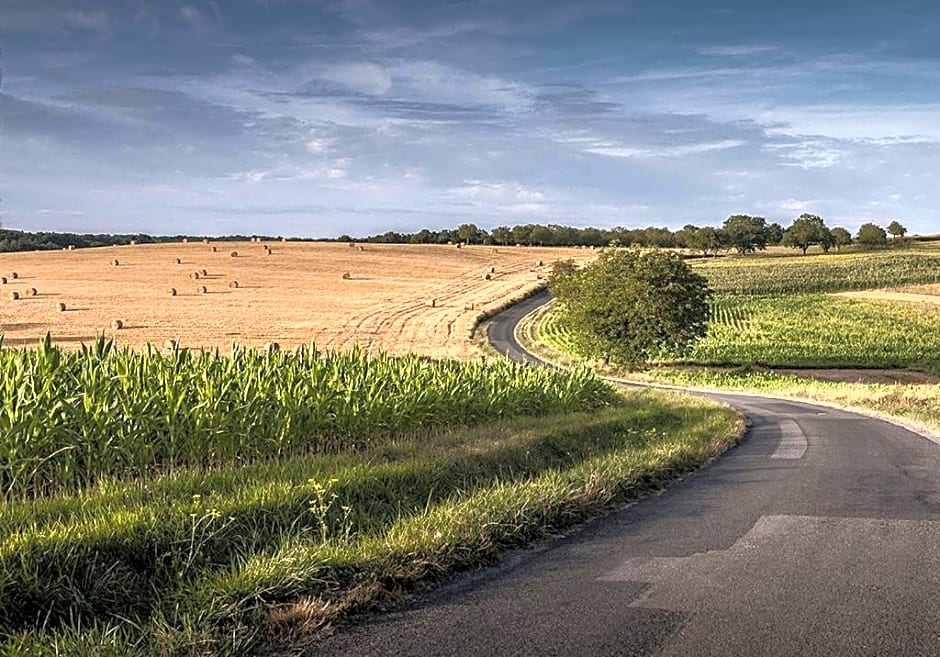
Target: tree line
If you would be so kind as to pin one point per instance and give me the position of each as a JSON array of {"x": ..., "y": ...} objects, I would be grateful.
[{"x": 741, "y": 233}]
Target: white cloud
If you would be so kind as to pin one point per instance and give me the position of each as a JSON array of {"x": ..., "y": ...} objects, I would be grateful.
[
  {"x": 364, "y": 77},
  {"x": 680, "y": 150}
]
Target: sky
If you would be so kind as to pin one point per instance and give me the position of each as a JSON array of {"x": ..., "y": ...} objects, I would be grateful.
[{"x": 315, "y": 119}]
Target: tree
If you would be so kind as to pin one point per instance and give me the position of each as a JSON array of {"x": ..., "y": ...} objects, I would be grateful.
[
  {"x": 871, "y": 235},
  {"x": 705, "y": 240},
  {"x": 629, "y": 306},
  {"x": 774, "y": 233},
  {"x": 840, "y": 237},
  {"x": 469, "y": 233},
  {"x": 896, "y": 230},
  {"x": 746, "y": 233},
  {"x": 501, "y": 235},
  {"x": 806, "y": 230}
]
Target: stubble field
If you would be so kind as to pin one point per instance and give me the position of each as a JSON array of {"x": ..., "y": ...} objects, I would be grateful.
[{"x": 293, "y": 296}]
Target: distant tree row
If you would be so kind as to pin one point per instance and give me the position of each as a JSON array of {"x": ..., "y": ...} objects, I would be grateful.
[{"x": 740, "y": 232}]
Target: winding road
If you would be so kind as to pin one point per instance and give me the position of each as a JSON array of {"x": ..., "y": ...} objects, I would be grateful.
[{"x": 819, "y": 534}]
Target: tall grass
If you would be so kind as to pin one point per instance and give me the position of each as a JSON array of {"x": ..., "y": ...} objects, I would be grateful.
[{"x": 70, "y": 418}]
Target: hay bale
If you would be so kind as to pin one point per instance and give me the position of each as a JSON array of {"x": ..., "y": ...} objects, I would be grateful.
[
  {"x": 492, "y": 270},
  {"x": 362, "y": 248},
  {"x": 117, "y": 324},
  {"x": 459, "y": 245},
  {"x": 171, "y": 291},
  {"x": 538, "y": 277},
  {"x": 14, "y": 296},
  {"x": 115, "y": 263},
  {"x": 14, "y": 275},
  {"x": 352, "y": 245},
  {"x": 201, "y": 289},
  {"x": 283, "y": 240},
  {"x": 179, "y": 261},
  {"x": 133, "y": 242},
  {"x": 347, "y": 276},
  {"x": 234, "y": 254},
  {"x": 172, "y": 344},
  {"x": 272, "y": 347},
  {"x": 194, "y": 276},
  {"x": 432, "y": 303},
  {"x": 3, "y": 280},
  {"x": 469, "y": 306},
  {"x": 214, "y": 249},
  {"x": 71, "y": 247},
  {"x": 233, "y": 285},
  {"x": 32, "y": 292},
  {"x": 185, "y": 240},
  {"x": 61, "y": 307},
  {"x": 205, "y": 241},
  {"x": 487, "y": 277},
  {"x": 539, "y": 263},
  {"x": 203, "y": 272}
]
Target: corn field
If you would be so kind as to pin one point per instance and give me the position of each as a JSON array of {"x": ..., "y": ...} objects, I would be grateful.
[
  {"x": 831, "y": 273},
  {"x": 70, "y": 418}
]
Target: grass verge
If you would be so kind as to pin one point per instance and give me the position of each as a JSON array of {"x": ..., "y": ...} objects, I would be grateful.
[{"x": 234, "y": 560}]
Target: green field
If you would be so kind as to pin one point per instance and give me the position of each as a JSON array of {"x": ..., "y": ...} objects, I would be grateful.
[
  {"x": 763, "y": 317},
  {"x": 199, "y": 504}
]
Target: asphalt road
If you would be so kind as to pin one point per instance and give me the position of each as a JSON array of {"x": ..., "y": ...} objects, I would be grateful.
[{"x": 818, "y": 535}]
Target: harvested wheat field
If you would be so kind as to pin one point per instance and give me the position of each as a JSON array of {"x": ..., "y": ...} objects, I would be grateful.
[{"x": 398, "y": 298}]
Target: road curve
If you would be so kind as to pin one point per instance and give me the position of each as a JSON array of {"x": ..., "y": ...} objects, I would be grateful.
[{"x": 818, "y": 535}]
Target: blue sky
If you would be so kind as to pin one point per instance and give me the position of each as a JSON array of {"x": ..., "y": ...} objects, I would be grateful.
[{"x": 360, "y": 116}]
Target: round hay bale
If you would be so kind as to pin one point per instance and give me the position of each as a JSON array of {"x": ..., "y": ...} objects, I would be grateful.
[
  {"x": 31, "y": 292},
  {"x": 538, "y": 277},
  {"x": 3, "y": 280},
  {"x": 171, "y": 291},
  {"x": 234, "y": 254},
  {"x": 469, "y": 306},
  {"x": 539, "y": 263},
  {"x": 362, "y": 248},
  {"x": 194, "y": 276},
  {"x": 268, "y": 252},
  {"x": 14, "y": 296},
  {"x": 117, "y": 324},
  {"x": 215, "y": 249},
  {"x": 347, "y": 276},
  {"x": 115, "y": 263},
  {"x": 487, "y": 277},
  {"x": 203, "y": 272},
  {"x": 351, "y": 245},
  {"x": 14, "y": 275},
  {"x": 431, "y": 303},
  {"x": 71, "y": 247},
  {"x": 179, "y": 261},
  {"x": 201, "y": 289},
  {"x": 283, "y": 240},
  {"x": 205, "y": 241},
  {"x": 492, "y": 270},
  {"x": 185, "y": 240},
  {"x": 272, "y": 347},
  {"x": 61, "y": 307},
  {"x": 171, "y": 344},
  {"x": 459, "y": 245},
  {"x": 233, "y": 285}
]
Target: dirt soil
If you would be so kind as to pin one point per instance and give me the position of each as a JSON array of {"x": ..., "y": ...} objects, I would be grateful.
[{"x": 863, "y": 376}]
